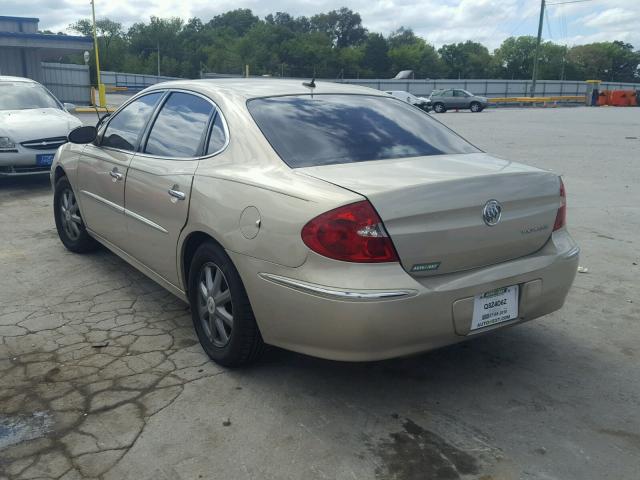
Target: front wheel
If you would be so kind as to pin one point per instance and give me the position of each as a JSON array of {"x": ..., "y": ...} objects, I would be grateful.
[
  {"x": 71, "y": 229},
  {"x": 220, "y": 309},
  {"x": 439, "y": 108},
  {"x": 476, "y": 107}
]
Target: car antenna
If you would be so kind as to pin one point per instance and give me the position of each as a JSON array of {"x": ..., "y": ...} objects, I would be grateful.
[{"x": 100, "y": 118}]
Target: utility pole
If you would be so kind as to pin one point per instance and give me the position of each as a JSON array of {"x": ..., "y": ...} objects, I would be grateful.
[
  {"x": 158, "y": 45},
  {"x": 102, "y": 96},
  {"x": 535, "y": 60}
]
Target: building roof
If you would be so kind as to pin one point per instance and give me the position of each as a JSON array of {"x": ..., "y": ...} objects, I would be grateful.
[
  {"x": 47, "y": 36},
  {"x": 19, "y": 19},
  {"x": 63, "y": 43}
]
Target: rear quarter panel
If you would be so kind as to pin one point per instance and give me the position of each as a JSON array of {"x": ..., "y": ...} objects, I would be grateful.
[{"x": 248, "y": 173}]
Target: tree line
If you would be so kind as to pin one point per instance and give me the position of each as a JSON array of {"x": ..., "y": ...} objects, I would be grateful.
[{"x": 336, "y": 45}]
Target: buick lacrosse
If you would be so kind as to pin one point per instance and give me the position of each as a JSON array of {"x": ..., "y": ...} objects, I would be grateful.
[{"x": 327, "y": 219}]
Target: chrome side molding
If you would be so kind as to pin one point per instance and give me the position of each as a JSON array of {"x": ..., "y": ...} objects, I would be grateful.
[{"x": 337, "y": 293}]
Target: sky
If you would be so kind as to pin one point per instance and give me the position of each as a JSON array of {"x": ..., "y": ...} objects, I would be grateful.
[{"x": 438, "y": 21}]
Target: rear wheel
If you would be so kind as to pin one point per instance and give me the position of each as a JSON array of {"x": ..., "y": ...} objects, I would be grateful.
[
  {"x": 71, "y": 229},
  {"x": 220, "y": 309},
  {"x": 476, "y": 107},
  {"x": 439, "y": 108}
]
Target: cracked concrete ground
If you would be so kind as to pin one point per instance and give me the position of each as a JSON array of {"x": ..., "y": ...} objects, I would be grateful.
[{"x": 101, "y": 375}]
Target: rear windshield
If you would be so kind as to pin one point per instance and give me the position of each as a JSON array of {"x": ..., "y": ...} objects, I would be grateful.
[{"x": 316, "y": 130}]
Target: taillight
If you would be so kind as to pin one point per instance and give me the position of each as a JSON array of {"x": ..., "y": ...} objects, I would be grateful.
[
  {"x": 353, "y": 233},
  {"x": 561, "y": 216}
]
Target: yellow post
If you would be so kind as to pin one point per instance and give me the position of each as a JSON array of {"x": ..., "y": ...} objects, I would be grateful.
[{"x": 102, "y": 94}]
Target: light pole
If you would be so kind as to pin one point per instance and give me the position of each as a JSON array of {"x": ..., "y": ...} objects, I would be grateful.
[
  {"x": 102, "y": 96},
  {"x": 535, "y": 59}
]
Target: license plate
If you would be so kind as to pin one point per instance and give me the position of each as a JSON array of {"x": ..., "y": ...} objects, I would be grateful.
[
  {"x": 44, "y": 159},
  {"x": 494, "y": 307}
]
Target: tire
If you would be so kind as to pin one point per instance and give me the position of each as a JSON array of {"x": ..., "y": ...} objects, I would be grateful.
[
  {"x": 220, "y": 309},
  {"x": 475, "y": 107},
  {"x": 71, "y": 229},
  {"x": 439, "y": 108}
]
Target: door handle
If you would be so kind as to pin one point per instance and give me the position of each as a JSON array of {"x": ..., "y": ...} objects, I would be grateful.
[
  {"x": 116, "y": 175},
  {"x": 177, "y": 193}
]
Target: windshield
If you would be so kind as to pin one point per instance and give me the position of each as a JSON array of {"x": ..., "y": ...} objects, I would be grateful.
[
  {"x": 328, "y": 129},
  {"x": 25, "y": 95}
]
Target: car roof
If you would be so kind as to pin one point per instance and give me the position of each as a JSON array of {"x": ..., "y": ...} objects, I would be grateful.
[
  {"x": 264, "y": 87},
  {"x": 6, "y": 78}
]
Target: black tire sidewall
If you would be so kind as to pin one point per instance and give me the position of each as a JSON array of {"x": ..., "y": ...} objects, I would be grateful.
[
  {"x": 479, "y": 107},
  {"x": 439, "y": 108},
  {"x": 234, "y": 353}
]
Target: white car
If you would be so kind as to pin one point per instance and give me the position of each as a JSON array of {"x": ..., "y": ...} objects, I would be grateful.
[
  {"x": 420, "y": 102},
  {"x": 33, "y": 124}
]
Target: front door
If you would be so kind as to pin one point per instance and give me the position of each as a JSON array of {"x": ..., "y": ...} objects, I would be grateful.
[
  {"x": 461, "y": 99},
  {"x": 159, "y": 182},
  {"x": 103, "y": 168},
  {"x": 101, "y": 174}
]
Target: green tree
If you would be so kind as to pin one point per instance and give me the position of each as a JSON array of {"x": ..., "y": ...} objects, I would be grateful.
[
  {"x": 614, "y": 61},
  {"x": 375, "y": 59},
  {"x": 343, "y": 27},
  {"x": 466, "y": 60},
  {"x": 410, "y": 52},
  {"x": 515, "y": 56}
]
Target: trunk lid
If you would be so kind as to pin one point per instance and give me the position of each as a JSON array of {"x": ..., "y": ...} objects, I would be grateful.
[{"x": 433, "y": 206}]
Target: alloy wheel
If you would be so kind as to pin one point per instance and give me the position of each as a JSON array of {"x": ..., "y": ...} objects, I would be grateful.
[
  {"x": 70, "y": 215},
  {"x": 214, "y": 305}
]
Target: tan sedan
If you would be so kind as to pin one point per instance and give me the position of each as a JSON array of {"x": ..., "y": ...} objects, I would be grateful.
[{"x": 328, "y": 219}]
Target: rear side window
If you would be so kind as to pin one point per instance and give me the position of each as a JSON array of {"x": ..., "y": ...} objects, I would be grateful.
[
  {"x": 125, "y": 128},
  {"x": 307, "y": 131},
  {"x": 179, "y": 127},
  {"x": 217, "y": 139}
]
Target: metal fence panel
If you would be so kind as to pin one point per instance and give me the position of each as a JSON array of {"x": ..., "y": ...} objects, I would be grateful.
[
  {"x": 69, "y": 83},
  {"x": 491, "y": 88},
  {"x": 132, "y": 80}
]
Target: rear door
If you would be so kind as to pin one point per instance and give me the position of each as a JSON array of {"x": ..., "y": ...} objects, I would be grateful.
[
  {"x": 160, "y": 178},
  {"x": 103, "y": 169}
]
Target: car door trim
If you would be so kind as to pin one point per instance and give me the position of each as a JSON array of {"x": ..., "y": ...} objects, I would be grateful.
[
  {"x": 126, "y": 212},
  {"x": 145, "y": 220},
  {"x": 104, "y": 201}
]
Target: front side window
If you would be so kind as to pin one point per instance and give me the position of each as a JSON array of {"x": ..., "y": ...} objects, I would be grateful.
[
  {"x": 180, "y": 126},
  {"x": 460, "y": 93},
  {"x": 124, "y": 129},
  {"x": 25, "y": 96},
  {"x": 315, "y": 130}
]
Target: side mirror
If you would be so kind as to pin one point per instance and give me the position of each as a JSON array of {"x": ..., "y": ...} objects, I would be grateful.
[
  {"x": 82, "y": 135},
  {"x": 69, "y": 107}
]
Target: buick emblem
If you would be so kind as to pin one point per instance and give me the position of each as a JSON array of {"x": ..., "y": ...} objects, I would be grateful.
[{"x": 492, "y": 212}]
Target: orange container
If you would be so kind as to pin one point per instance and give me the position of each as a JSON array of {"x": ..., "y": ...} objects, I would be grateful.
[
  {"x": 603, "y": 97},
  {"x": 620, "y": 98},
  {"x": 633, "y": 98}
]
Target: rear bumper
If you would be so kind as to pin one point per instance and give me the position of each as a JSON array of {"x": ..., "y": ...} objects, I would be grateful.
[{"x": 384, "y": 312}]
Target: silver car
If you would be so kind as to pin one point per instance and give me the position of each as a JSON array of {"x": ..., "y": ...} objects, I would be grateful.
[
  {"x": 33, "y": 124},
  {"x": 328, "y": 219},
  {"x": 458, "y": 99}
]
